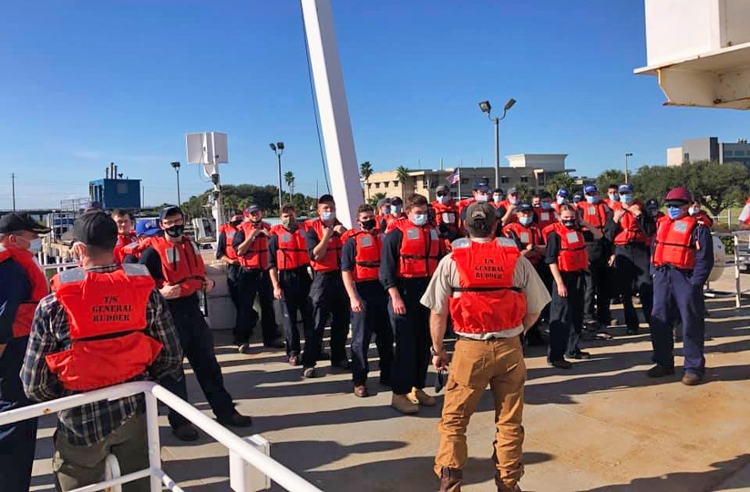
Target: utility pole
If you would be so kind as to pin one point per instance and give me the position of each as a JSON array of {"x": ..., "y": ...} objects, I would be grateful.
[
  {"x": 13, "y": 186},
  {"x": 629, "y": 154}
]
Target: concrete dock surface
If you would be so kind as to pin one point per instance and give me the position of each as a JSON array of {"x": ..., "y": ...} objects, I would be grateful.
[{"x": 602, "y": 426}]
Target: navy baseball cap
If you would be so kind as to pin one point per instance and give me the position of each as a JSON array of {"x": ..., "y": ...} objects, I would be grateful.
[
  {"x": 383, "y": 202},
  {"x": 525, "y": 207},
  {"x": 170, "y": 210},
  {"x": 14, "y": 222},
  {"x": 590, "y": 189},
  {"x": 652, "y": 203},
  {"x": 147, "y": 227},
  {"x": 482, "y": 185},
  {"x": 513, "y": 191},
  {"x": 625, "y": 188},
  {"x": 563, "y": 192},
  {"x": 252, "y": 208}
]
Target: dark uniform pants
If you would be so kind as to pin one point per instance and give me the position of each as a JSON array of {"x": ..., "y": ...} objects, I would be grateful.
[
  {"x": 372, "y": 319},
  {"x": 17, "y": 441},
  {"x": 412, "y": 336},
  {"x": 675, "y": 297},
  {"x": 233, "y": 278},
  {"x": 597, "y": 294},
  {"x": 295, "y": 284},
  {"x": 546, "y": 275},
  {"x": 632, "y": 268},
  {"x": 328, "y": 299},
  {"x": 198, "y": 346},
  {"x": 252, "y": 283},
  {"x": 566, "y": 317}
]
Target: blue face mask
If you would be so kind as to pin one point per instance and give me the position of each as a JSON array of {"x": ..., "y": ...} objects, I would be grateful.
[
  {"x": 627, "y": 199},
  {"x": 546, "y": 205},
  {"x": 525, "y": 221},
  {"x": 328, "y": 216},
  {"x": 592, "y": 199},
  {"x": 419, "y": 219},
  {"x": 395, "y": 209},
  {"x": 674, "y": 212}
]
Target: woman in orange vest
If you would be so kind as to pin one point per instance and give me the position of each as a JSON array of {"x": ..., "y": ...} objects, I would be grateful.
[
  {"x": 632, "y": 231},
  {"x": 360, "y": 264},
  {"x": 681, "y": 262},
  {"x": 22, "y": 286},
  {"x": 251, "y": 244},
  {"x": 327, "y": 292},
  {"x": 288, "y": 263},
  {"x": 569, "y": 261}
]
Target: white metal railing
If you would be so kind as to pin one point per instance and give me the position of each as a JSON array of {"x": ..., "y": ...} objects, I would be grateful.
[
  {"x": 737, "y": 261},
  {"x": 246, "y": 462}
]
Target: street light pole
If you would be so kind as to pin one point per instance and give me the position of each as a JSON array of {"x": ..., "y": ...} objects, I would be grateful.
[
  {"x": 278, "y": 149},
  {"x": 628, "y": 154},
  {"x": 176, "y": 166},
  {"x": 486, "y": 107}
]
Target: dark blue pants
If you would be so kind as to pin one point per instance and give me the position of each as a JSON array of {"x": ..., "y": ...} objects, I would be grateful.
[
  {"x": 295, "y": 284},
  {"x": 412, "y": 336},
  {"x": 372, "y": 319},
  {"x": 233, "y": 277},
  {"x": 632, "y": 269},
  {"x": 255, "y": 283},
  {"x": 566, "y": 317},
  {"x": 328, "y": 299},
  {"x": 597, "y": 293},
  {"x": 675, "y": 297},
  {"x": 17, "y": 441},
  {"x": 198, "y": 346}
]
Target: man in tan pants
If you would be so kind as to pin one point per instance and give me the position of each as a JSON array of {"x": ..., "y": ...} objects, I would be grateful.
[{"x": 493, "y": 294}]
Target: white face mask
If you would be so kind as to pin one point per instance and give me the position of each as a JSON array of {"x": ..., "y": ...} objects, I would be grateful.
[
  {"x": 497, "y": 198},
  {"x": 693, "y": 210},
  {"x": 513, "y": 200},
  {"x": 35, "y": 245},
  {"x": 481, "y": 197},
  {"x": 444, "y": 199},
  {"x": 560, "y": 200},
  {"x": 419, "y": 219}
]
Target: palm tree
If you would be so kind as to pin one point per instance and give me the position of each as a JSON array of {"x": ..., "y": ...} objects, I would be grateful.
[
  {"x": 365, "y": 170},
  {"x": 289, "y": 178},
  {"x": 402, "y": 174},
  {"x": 374, "y": 199}
]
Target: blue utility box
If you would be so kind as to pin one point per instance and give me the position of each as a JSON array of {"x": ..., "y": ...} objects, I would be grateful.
[{"x": 116, "y": 193}]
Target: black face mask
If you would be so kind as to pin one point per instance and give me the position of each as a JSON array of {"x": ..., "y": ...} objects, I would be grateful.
[
  {"x": 368, "y": 225},
  {"x": 235, "y": 223},
  {"x": 570, "y": 224},
  {"x": 175, "y": 231}
]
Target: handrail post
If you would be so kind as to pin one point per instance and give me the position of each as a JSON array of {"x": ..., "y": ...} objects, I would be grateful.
[
  {"x": 737, "y": 286},
  {"x": 154, "y": 445}
]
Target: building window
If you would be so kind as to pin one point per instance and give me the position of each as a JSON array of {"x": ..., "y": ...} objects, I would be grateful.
[
  {"x": 728, "y": 153},
  {"x": 377, "y": 185},
  {"x": 739, "y": 153},
  {"x": 504, "y": 179},
  {"x": 385, "y": 185},
  {"x": 464, "y": 181},
  {"x": 524, "y": 179},
  {"x": 395, "y": 183},
  {"x": 686, "y": 157}
]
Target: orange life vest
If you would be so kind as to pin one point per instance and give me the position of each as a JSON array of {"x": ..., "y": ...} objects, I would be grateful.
[
  {"x": 544, "y": 217},
  {"x": 332, "y": 259},
  {"x": 136, "y": 249},
  {"x": 39, "y": 289},
  {"x": 291, "y": 252},
  {"x": 420, "y": 250},
  {"x": 630, "y": 230},
  {"x": 594, "y": 213},
  {"x": 181, "y": 263},
  {"x": 107, "y": 316},
  {"x": 391, "y": 222},
  {"x": 613, "y": 204},
  {"x": 229, "y": 231},
  {"x": 703, "y": 219},
  {"x": 526, "y": 235},
  {"x": 573, "y": 256},
  {"x": 256, "y": 257},
  {"x": 369, "y": 246},
  {"x": 486, "y": 300},
  {"x": 446, "y": 213},
  {"x": 123, "y": 240},
  {"x": 674, "y": 245}
]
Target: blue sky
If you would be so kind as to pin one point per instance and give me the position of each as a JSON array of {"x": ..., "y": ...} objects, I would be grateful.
[{"x": 88, "y": 82}]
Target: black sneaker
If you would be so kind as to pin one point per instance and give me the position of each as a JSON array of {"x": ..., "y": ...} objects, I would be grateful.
[
  {"x": 632, "y": 331},
  {"x": 342, "y": 364},
  {"x": 323, "y": 356},
  {"x": 580, "y": 355},
  {"x": 560, "y": 364},
  {"x": 236, "y": 420},
  {"x": 659, "y": 371},
  {"x": 185, "y": 432}
]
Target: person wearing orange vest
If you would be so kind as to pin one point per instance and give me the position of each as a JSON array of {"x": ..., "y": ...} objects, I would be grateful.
[
  {"x": 682, "y": 258},
  {"x": 446, "y": 214},
  {"x": 288, "y": 267},
  {"x": 480, "y": 192},
  {"x": 103, "y": 325},
  {"x": 251, "y": 245},
  {"x": 568, "y": 260},
  {"x": 613, "y": 197},
  {"x": 144, "y": 231},
  {"x": 597, "y": 296},
  {"x": 632, "y": 230},
  {"x": 507, "y": 210},
  {"x": 226, "y": 253},
  {"x": 22, "y": 286},
  {"x": 701, "y": 216},
  {"x": 396, "y": 211},
  {"x": 176, "y": 265},
  {"x": 360, "y": 265},
  {"x": 411, "y": 252},
  {"x": 493, "y": 295},
  {"x": 383, "y": 218},
  {"x": 327, "y": 292},
  {"x": 125, "y": 233}
]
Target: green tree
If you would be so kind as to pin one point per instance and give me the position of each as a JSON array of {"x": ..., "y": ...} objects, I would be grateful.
[
  {"x": 289, "y": 179},
  {"x": 654, "y": 181},
  {"x": 374, "y": 199},
  {"x": 718, "y": 186},
  {"x": 560, "y": 180},
  {"x": 608, "y": 177},
  {"x": 365, "y": 170},
  {"x": 402, "y": 175},
  {"x": 524, "y": 192}
]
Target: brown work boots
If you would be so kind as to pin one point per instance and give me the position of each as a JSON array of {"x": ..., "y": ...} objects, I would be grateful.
[{"x": 451, "y": 478}]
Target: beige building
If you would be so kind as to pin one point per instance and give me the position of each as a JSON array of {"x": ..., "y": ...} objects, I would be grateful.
[{"x": 525, "y": 170}]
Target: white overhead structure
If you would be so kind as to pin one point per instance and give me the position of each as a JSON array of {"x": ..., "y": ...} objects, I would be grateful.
[
  {"x": 333, "y": 109},
  {"x": 700, "y": 51},
  {"x": 209, "y": 150}
]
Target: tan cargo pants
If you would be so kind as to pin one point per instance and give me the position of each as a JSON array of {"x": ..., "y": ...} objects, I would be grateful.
[{"x": 475, "y": 364}]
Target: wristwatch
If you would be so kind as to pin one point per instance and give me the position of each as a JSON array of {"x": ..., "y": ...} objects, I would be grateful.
[{"x": 433, "y": 352}]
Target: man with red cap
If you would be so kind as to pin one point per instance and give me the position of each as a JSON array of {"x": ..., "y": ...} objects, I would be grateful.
[
  {"x": 681, "y": 260},
  {"x": 23, "y": 285}
]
